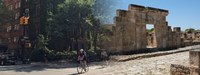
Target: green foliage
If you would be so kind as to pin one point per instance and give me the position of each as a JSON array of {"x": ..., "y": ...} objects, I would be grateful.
[
  {"x": 72, "y": 21},
  {"x": 190, "y": 30},
  {"x": 42, "y": 43},
  {"x": 102, "y": 10},
  {"x": 150, "y": 30},
  {"x": 70, "y": 24},
  {"x": 40, "y": 49},
  {"x": 103, "y": 34}
]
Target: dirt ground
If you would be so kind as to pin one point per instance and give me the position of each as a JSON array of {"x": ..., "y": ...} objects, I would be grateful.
[{"x": 147, "y": 66}]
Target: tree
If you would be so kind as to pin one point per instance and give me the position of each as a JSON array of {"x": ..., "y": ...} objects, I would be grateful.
[
  {"x": 71, "y": 23},
  {"x": 102, "y": 14},
  {"x": 190, "y": 30},
  {"x": 103, "y": 10}
]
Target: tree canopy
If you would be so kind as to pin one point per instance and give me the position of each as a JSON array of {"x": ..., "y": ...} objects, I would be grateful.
[{"x": 190, "y": 30}]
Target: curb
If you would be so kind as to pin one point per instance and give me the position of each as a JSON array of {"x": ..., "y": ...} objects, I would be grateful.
[{"x": 147, "y": 55}]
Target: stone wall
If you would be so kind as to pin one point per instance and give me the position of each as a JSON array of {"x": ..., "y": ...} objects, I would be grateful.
[
  {"x": 179, "y": 70},
  {"x": 193, "y": 69},
  {"x": 129, "y": 30}
]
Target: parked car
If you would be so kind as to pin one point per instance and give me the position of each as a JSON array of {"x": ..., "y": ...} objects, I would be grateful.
[
  {"x": 3, "y": 55},
  {"x": 7, "y": 59},
  {"x": 11, "y": 60}
]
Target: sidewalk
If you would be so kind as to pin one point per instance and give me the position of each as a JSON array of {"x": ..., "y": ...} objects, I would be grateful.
[{"x": 122, "y": 58}]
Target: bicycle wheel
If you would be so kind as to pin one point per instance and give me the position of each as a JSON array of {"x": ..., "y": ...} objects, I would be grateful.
[
  {"x": 79, "y": 69},
  {"x": 86, "y": 68}
]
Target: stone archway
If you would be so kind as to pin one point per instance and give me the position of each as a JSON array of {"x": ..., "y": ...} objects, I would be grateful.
[{"x": 129, "y": 30}]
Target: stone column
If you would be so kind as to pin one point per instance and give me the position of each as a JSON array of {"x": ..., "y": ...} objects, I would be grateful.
[
  {"x": 177, "y": 31},
  {"x": 170, "y": 37},
  {"x": 132, "y": 29},
  {"x": 158, "y": 33},
  {"x": 195, "y": 62},
  {"x": 140, "y": 30},
  {"x": 118, "y": 34},
  {"x": 165, "y": 34}
]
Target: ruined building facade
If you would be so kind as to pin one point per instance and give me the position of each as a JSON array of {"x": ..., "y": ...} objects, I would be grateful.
[
  {"x": 129, "y": 30},
  {"x": 191, "y": 38}
]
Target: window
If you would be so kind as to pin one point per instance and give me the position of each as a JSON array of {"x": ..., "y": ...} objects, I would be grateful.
[
  {"x": 16, "y": 6},
  {"x": 9, "y": 39},
  {"x": 16, "y": 27},
  {"x": 17, "y": 15},
  {"x": 8, "y": 28},
  {"x": 11, "y": 7},
  {"x": 15, "y": 39},
  {"x": 19, "y": 4}
]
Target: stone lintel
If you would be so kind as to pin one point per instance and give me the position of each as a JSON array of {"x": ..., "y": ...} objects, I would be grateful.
[
  {"x": 135, "y": 7},
  {"x": 162, "y": 10}
]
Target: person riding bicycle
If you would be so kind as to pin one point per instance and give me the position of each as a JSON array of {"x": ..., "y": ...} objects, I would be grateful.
[{"x": 82, "y": 57}]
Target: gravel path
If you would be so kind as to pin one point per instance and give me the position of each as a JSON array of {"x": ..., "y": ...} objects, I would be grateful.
[{"x": 148, "y": 66}]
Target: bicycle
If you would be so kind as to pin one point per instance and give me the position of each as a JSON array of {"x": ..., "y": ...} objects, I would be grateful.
[{"x": 81, "y": 67}]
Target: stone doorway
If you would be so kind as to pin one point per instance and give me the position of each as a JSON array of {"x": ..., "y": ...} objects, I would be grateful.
[
  {"x": 150, "y": 36},
  {"x": 129, "y": 30}
]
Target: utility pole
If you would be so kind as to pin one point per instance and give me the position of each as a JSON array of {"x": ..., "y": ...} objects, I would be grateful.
[{"x": 24, "y": 23}]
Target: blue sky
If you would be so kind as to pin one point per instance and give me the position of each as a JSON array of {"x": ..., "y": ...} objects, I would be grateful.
[{"x": 182, "y": 13}]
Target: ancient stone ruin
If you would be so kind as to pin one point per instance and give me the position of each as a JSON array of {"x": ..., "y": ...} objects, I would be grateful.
[
  {"x": 192, "y": 69},
  {"x": 191, "y": 38},
  {"x": 129, "y": 30}
]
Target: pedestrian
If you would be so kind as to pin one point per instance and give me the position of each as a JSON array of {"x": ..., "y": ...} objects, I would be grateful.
[{"x": 104, "y": 56}]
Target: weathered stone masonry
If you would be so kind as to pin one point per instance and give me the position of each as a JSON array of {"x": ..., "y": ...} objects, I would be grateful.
[
  {"x": 192, "y": 69},
  {"x": 129, "y": 29}
]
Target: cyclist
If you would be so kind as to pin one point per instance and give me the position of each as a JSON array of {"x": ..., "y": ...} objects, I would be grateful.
[{"x": 82, "y": 58}]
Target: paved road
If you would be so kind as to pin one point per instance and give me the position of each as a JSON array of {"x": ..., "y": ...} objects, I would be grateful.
[{"x": 146, "y": 66}]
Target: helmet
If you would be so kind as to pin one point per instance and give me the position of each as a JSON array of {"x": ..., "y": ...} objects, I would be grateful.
[{"x": 81, "y": 50}]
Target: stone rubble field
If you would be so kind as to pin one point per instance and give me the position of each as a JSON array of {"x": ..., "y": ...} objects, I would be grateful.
[{"x": 148, "y": 66}]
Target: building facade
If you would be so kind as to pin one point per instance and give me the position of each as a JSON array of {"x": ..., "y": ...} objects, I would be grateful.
[
  {"x": 13, "y": 33},
  {"x": 11, "y": 30}
]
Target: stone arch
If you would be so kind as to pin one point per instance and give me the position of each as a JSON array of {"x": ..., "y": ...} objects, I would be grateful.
[{"x": 130, "y": 29}]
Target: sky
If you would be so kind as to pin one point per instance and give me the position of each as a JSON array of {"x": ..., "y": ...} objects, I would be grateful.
[{"x": 182, "y": 13}]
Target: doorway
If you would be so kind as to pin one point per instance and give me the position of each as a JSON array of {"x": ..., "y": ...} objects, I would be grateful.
[{"x": 150, "y": 36}]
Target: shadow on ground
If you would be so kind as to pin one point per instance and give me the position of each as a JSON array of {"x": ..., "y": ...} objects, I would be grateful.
[
  {"x": 44, "y": 66},
  {"x": 37, "y": 67}
]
